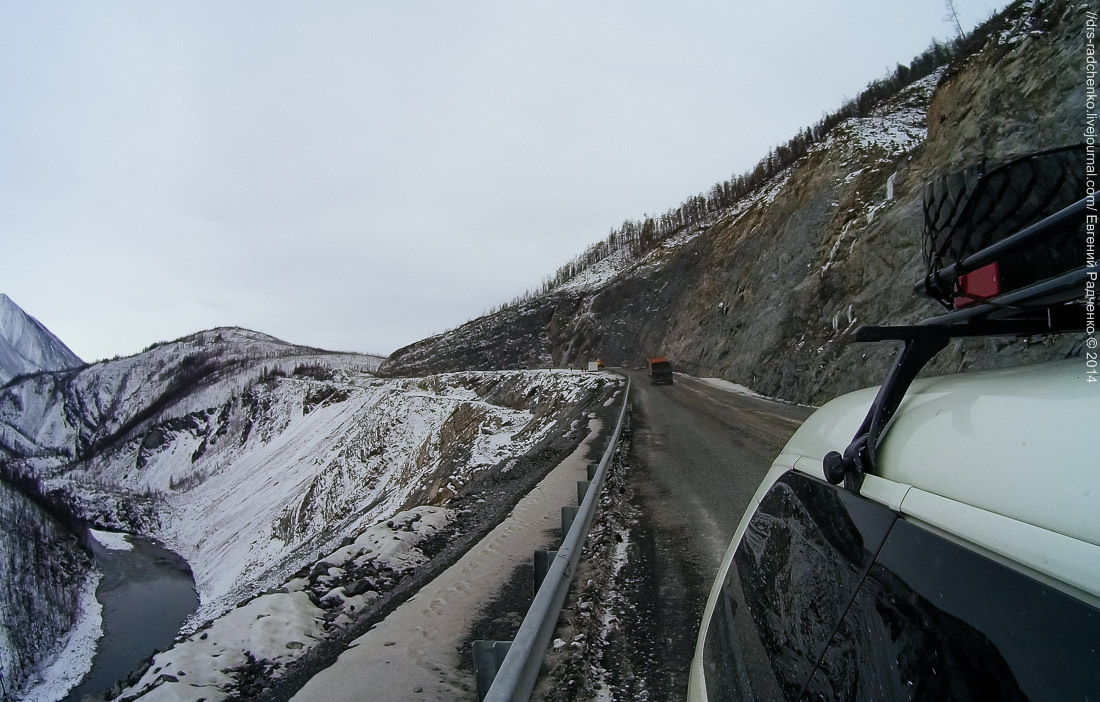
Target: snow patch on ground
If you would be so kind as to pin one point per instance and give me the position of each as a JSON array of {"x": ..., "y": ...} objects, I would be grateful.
[
  {"x": 112, "y": 540},
  {"x": 763, "y": 196},
  {"x": 598, "y": 274},
  {"x": 276, "y": 628},
  {"x": 75, "y": 660},
  {"x": 733, "y": 387},
  {"x": 608, "y": 620},
  {"x": 729, "y": 386},
  {"x": 893, "y": 129},
  {"x": 1022, "y": 29}
]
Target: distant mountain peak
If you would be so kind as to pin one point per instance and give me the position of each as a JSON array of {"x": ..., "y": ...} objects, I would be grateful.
[{"x": 27, "y": 346}]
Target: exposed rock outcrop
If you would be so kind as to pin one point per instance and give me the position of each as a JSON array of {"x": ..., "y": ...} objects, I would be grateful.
[
  {"x": 43, "y": 569},
  {"x": 768, "y": 292}
]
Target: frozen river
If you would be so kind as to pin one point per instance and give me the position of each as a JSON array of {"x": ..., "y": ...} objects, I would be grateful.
[{"x": 147, "y": 592}]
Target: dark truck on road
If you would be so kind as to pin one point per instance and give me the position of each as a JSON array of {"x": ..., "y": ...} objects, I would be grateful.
[{"x": 660, "y": 371}]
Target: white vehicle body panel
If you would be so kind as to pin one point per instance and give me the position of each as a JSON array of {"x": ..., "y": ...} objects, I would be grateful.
[{"x": 1002, "y": 462}]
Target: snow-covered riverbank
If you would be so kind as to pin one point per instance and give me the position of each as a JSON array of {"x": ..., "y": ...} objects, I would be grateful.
[
  {"x": 264, "y": 635},
  {"x": 75, "y": 659}
]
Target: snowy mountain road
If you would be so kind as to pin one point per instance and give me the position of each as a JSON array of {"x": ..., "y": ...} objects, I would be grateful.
[{"x": 700, "y": 450}]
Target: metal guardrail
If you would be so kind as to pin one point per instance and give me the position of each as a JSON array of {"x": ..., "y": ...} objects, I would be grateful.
[{"x": 519, "y": 670}]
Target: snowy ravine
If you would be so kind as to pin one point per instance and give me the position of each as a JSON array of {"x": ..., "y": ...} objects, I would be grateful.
[
  {"x": 253, "y": 458},
  {"x": 262, "y": 501}
]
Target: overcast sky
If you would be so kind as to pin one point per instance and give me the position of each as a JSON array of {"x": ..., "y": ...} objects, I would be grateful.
[{"x": 361, "y": 175}]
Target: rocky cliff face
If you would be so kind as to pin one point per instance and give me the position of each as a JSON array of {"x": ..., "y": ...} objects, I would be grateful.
[
  {"x": 43, "y": 569},
  {"x": 768, "y": 293}
]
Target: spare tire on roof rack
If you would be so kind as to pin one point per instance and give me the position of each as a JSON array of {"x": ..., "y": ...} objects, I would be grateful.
[
  {"x": 969, "y": 211},
  {"x": 1004, "y": 251}
]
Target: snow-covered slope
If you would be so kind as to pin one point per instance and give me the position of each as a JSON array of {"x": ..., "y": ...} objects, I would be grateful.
[
  {"x": 250, "y": 489},
  {"x": 251, "y": 457},
  {"x": 248, "y": 648},
  {"x": 247, "y": 455},
  {"x": 26, "y": 346},
  {"x": 70, "y": 416}
]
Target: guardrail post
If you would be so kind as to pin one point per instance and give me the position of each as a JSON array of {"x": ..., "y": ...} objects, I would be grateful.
[
  {"x": 519, "y": 671},
  {"x": 582, "y": 489},
  {"x": 543, "y": 559},
  {"x": 593, "y": 466},
  {"x": 568, "y": 514},
  {"x": 488, "y": 655}
]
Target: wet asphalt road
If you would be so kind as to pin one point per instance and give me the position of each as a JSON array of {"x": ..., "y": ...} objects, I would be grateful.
[
  {"x": 702, "y": 453},
  {"x": 698, "y": 455}
]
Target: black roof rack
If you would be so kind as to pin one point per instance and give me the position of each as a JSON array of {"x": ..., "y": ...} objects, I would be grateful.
[{"x": 1054, "y": 304}]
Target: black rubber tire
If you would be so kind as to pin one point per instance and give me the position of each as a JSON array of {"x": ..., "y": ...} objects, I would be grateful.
[{"x": 967, "y": 211}]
